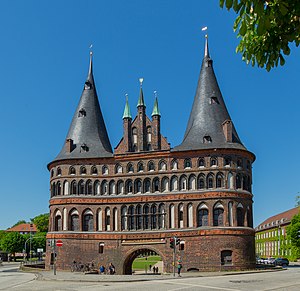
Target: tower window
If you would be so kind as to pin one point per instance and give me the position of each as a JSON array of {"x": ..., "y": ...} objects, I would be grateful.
[
  {"x": 84, "y": 148},
  {"x": 81, "y": 113},
  {"x": 207, "y": 139},
  {"x": 214, "y": 100},
  {"x": 87, "y": 85}
]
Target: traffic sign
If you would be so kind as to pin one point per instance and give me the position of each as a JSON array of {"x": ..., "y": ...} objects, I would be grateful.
[{"x": 59, "y": 243}]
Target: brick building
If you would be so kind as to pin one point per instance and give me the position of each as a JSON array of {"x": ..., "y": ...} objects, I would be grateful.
[
  {"x": 111, "y": 206},
  {"x": 271, "y": 237}
]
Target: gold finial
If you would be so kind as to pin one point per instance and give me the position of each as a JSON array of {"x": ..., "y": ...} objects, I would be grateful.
[
  {"x": 141, "y": 81},
  {"x": 155, "y": 94},
  {"x": 91, "y": 51}
]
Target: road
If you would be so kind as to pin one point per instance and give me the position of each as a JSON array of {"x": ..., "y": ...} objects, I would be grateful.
[{"x": 287, "y": 280}]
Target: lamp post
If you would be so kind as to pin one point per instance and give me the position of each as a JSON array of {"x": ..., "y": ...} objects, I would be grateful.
[{"x": 30, "y": 243}]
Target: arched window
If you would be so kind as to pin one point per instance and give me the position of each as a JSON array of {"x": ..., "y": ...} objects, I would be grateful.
[
  {"x": 104, "y": 170},
  {"x": 192, "y": 182},
  {"x": 73, "y": 188},
  {"x": 52, "y": 173},
  {"x": 218, "y": 215},
  {"x": 238, "y": 182},
  {"x": 57, "y": 221},
  {"x": 227, "y": 162},
  {"x": 74, "y": 220},
  {"x": 180, "y": 215},
  {"x": 97, "y": 188},
  {"x": 165, "y": 184},
  {"x": 139, "y": 218},
  {"x": 153, "y": 216},
  {"x": 124, "y": 218},
  {"x": 118, "y": 169},
  {"x": 134, "y": 136},
  {"x": 66, "y": 188},
  {"x": 230, "y": 213},
  {"x": 138, "y": 186},
  {"x": 151, "y": 166},
  {"x": 213, "y": 162},
  {"x": 112, "y": 187},
  {"x": 249, "y": 217},
  {"x": 81, "y": 187},
  {"x": 128, "y": 187},
  {"x": 162, "y": 166},
  {"x": 174, "y": 165},
  {"x": 172, "y": 216},
  {"x": 240, "y": 215},
  {"x": 183, "y": 183},
  {"x": 104, "y": 187},
  {"x": 161, "y": 216},
  {"x": 155, "y": 184},
  {"x": 146, "y": 217},
  {"x": 88, "y": 221},
  {"x": 149, "y": 134},
  {"x": 174, "y": 183},
  {"x": 83, "y": 170},
  {"x": 201, "y": 163},
  {"x": 107, "y": 219},
  {"x": 210, "y": 181},
  {"x": 202, "y": 215},
  {"x": 89, "y": 187},
  {"x": 130, "y": 168},
  {"x": 94, "y": 170},
  {"x": 187, "y": 163},
  {"x": 120, "y": 187},
  {"x": 220, "y": 180},
  {"x": 201, "y": 181},
  {"x": 190, "y": 215},
  {"x": 140, "y": 167},
  {"x": 147, "y": 185},
  {"x": 230, "y": 180},
  {"x": 244, "y": 182},
  {"x": 239, "y": 163},
  {"x": 130, "y": 215},
  {"x": 58, "y": 188},
  {"x": 58, "y": 173},
  {"x": 72, "y": 171}
]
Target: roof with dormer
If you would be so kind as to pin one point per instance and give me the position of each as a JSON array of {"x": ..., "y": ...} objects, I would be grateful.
[
  {"x": 205, "y": 126},
  {"x": 87, "y": 131}
]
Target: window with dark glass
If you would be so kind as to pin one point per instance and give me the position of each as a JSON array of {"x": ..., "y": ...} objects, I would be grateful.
[
  {"x": 187, "y": 163},
  {"x": 207, "y": 139},
  {"x": 74, "y": 223},
  {"x": 202, "y": 217},
  {"x": 218, "y": 217},
  {"x": 240, "y": 216},
  {"x": 201, "y": 163},
  {"x": 139, "y": 220},
  {"x": 72, "y": 171},
  {"x": 146, "y": 217},
  {"x": 156, "y": 184},
  {"x": 88, "y": 222},
  {"x": 226, "y": 257},
  {"x": 140, "y": 167},
  {"x": 94, "y": 171},
  {"x": 57, "y": 223},
  {"x": 151, "y": 166},
  {"x": 130, "y": 215},
  {"x": 147, "y": 185}
]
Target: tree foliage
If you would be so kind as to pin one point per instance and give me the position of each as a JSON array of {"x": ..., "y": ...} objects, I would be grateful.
[
  {"x": 41, "y": 221},
  {"x": 293, "y": 231},
  {"x": 12, "y": 242},
  {"x": 266, "y": 29}
]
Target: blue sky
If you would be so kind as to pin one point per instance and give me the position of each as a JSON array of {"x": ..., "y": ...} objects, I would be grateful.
[{"x": 44, "y": 62}]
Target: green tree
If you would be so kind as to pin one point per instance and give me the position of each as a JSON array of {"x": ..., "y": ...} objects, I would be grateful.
[
  {"x": 266, "y": 29},
  {"x": 297, "y": 201},
  {"x": 41, "y": 221},
  {"x": 293, "y": 232},
  {"x": 12, "y": 243}
]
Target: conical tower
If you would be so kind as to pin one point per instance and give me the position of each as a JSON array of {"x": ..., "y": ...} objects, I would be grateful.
[
  {"x": 209, "y": 124},
  {"x": 87, "y": 136}
]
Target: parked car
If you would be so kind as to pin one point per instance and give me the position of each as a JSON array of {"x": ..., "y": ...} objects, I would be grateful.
[
  {"x": 281, "y": 262},
  {"x": 270, "y": 261}
]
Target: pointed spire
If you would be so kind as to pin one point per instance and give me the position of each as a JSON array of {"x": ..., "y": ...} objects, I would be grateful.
[
  {"x": 141, "y": 98},
  {"x": 87, "y": 133},
  {"x": 126, "y": 113},
  {"x": 207, "y": 127},
  {"x": 155, "y": 107},
  {"x": 206, "y": 50}
]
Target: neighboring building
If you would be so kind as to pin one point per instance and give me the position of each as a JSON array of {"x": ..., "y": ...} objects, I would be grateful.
[
  {"x": 113, "y": 206},
  {"x": 24, "y": 228},
  {"x": 270, "y": 236}
]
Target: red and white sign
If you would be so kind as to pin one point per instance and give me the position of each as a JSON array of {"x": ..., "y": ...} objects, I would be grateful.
[{"x": 59, "y": 243}]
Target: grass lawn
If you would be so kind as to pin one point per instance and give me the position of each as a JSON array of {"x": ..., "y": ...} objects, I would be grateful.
[{"x": 141, "y": 263}]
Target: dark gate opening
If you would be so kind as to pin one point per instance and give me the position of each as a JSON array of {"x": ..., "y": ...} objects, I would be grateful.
[{"x": 144, "y": 252}]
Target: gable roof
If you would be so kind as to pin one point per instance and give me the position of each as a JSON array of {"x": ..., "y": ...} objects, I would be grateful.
[{"x": 23, "y": 227}]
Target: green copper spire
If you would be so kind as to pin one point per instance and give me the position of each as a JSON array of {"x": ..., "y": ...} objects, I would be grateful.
[
  {"x": 126, "y": 113},
  {"x": 141, "y": 101},
  {"x": 155, "y": 107}
]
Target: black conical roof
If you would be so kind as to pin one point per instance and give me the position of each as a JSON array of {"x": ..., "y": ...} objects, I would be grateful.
[
  {"x": 87, "y": 131},
  {"x": 205, "y": 126}
]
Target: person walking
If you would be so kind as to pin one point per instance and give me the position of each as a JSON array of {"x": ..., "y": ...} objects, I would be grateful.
[{"x": 179, "y": 267}]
